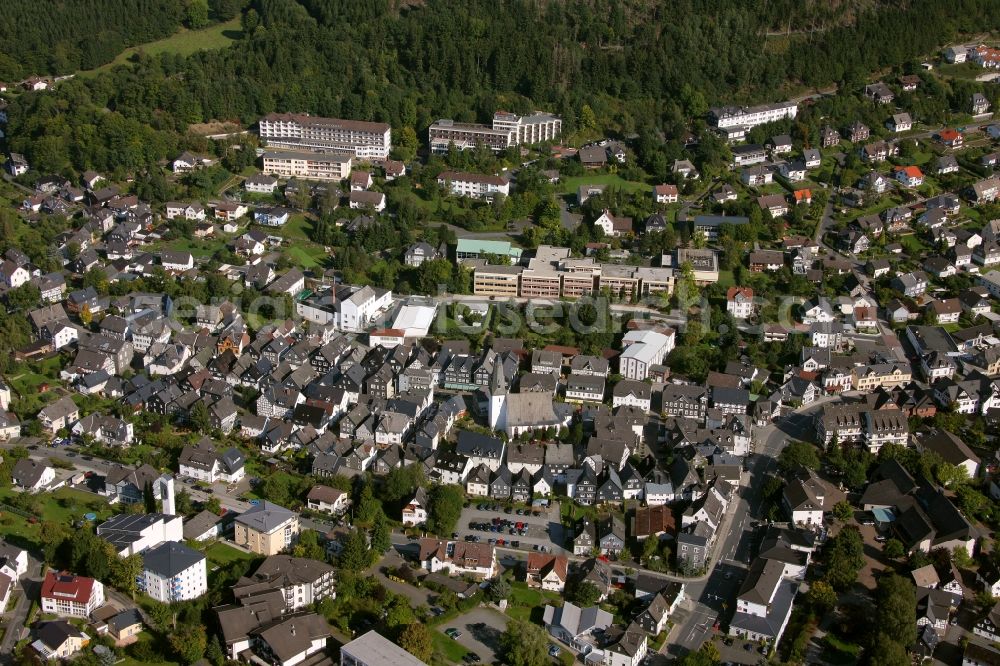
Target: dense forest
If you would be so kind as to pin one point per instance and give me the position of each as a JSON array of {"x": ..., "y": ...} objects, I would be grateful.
[
  {"x": 634, "y": 65},
  {"x": 49, "y": 37},
  {"x": 61, "y": 37}
]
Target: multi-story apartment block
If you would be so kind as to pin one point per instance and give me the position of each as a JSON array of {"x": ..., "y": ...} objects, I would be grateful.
[
  {"x": 620, "y": 281},
  {"x": 173, "y": 572},
  {"x": 266, "y": 529},
  {"x": 734, "y": 122},
  {"x": 445, "y": 133},
  {"x": 364, "y": 140},
  {"x": 508, "y": 130},
  {"x": 302, "y": 581},
  {"x": 475, "y": 185},
  {"x": 526, "y": 130},
  {"x": 311, "y": 166}
]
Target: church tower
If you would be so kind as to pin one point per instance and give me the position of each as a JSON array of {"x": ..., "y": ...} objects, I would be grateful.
[{"x": 498, "y": 397}]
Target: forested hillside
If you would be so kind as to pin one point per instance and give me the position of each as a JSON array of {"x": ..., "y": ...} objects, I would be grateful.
[
  {"x": 635, "y": 63},
  {"x": 64, "y": 36}
]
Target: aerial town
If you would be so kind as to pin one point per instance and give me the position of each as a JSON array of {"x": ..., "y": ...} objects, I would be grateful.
[{"x": 318, "y": 390}]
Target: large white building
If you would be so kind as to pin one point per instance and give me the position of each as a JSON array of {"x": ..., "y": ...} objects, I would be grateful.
[
  {"x": 173, "y": 572},
  {"x": 643, "y": 349},
  {"x": 508, "y": 130},
  {"x": 310, "y": 166},
  {"x": 350, "y": 309},
  {"x": 735, "y": 121},
  {"x": 364, "y": 140},
  {"x": 129, "y": 533},
  {"x": 526, "y": 130},
  {"x": 475, "y": 185}
]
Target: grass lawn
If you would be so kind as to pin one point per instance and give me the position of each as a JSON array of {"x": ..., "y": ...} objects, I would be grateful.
[
  {"x": 220, "y": 554},
  {"x": 306, "y": 256},
  {"x": 297, "y": 228},
  {"x": 62, "y": 506},
  {"x": 304, "y": 252},
  {"x": 197, "y": 247},
  {"x": 726, "y": 279},
  {"x": 837, "y": 651},
  {"x": 184, "y": 42},
  {"x": 964, "y": 70},
  {"x": 523, "y": 599},
  {"x": 450, "y": 648},
  {"x": 571, "y": 185},
  {"x": 27, "y": 383},
  {"x": 912, "y": 245},
  {"x": 129, "y": 661}
]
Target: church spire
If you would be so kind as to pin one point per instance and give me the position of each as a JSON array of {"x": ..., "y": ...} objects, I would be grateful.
[{"x": 498, "y": 383}]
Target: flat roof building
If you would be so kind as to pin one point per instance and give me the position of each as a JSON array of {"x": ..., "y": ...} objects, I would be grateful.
[
  {"x": 311, "y": 166},
  {"x": 362, "y": 139},
  {"x": 374, "y": 649}
]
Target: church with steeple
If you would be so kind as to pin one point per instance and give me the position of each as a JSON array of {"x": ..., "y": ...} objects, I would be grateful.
[{"x": 517, "y": 413}]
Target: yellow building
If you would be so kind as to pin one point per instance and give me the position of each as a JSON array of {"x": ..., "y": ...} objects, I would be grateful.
[
  {"x": 266, "y": 529},
  {"x": 504, "y": 281}
]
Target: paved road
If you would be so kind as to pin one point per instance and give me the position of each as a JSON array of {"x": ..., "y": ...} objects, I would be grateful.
[
  {"x": 30, "y": 585},
  {"x": 713, "y": 597}
]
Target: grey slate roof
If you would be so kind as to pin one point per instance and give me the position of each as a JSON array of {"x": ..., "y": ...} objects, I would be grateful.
[
  {"x": 265, "y": 517},
  {"x": 170, "y": 558}
]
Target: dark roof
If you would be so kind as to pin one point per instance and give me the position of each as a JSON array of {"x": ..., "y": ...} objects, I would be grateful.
[{"x": 170, "y": 558}]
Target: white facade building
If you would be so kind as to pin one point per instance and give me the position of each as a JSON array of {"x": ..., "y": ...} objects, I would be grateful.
[
  {"x": 365, "y": 140},
  {"x": 475, "y": 185},
  {"x": 173, "y": 572},
  {"x": 643, "y": 350}
]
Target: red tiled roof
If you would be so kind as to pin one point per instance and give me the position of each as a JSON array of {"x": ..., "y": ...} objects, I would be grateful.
[
  {"x": 67, "y": 587},
  {"x": 747, "y": 292},
  {"x": 541, "y": 563},
  {"x": 910, "y": 171}
]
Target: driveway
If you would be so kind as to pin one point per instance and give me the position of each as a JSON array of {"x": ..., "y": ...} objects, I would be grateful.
[
  {"x": 484, "y": 638},
  {"x": 418, "y": 596}
]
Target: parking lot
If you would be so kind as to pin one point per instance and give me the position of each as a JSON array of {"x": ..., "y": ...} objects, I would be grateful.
[
  {"x": 481, "y": 629},
  {"x": 543, "y": 530}
]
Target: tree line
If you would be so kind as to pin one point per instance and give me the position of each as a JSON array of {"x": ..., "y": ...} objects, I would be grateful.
[{"x": 630, "y": 67}]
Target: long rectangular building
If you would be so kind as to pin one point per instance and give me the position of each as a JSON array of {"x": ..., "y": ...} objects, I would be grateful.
[
  {"x": 310, "y": 166},
  {"x": 526, "y": 130},
  {"x": 571, "y": 279},
  {"x": 509, "y": 129},
  {"x": 750, "y": 116},
  {"x": 475, "y": 185},
  {"x": 463, "y": 136},
  {"x": 364, "y": 140}
]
